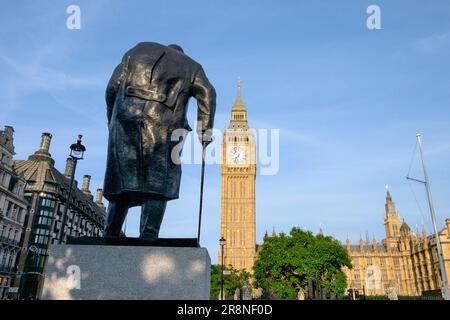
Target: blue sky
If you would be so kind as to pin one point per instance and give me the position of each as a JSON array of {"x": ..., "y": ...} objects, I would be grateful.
[{"x": 348, "y": 101}]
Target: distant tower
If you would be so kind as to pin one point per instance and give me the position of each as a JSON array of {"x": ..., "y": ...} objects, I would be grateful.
[
  {"x": 392, "y": 221},
  {"x": 238, "y": 172}
]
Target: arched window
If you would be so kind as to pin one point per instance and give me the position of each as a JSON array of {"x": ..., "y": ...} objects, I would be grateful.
[
  {"x": 5, "y": 256},
  {"x": 10, "y": 260}
]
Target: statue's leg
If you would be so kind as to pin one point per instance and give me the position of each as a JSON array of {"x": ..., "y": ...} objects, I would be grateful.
[
  {"x": 117, "y": 212},
  {"x": 151, "y": 218}
]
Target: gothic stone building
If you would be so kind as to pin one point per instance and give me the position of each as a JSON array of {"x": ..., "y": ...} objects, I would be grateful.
[
  {"x": 405, "y": 260},
  {"x": 13, "y": 209},
  {"x": 238, "y": 172},
  {"x": 46, "y": 191}
]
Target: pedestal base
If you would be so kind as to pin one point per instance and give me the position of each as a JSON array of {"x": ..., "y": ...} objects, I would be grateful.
[{"x": 91, "y": 272}]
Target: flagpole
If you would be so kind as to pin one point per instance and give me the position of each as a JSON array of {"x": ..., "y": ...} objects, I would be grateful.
[{"x": 433, "y": 218}]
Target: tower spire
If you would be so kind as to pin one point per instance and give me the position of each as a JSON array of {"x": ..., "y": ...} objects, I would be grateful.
[
  {"x": 239, "y": 86},
  {"x": 239, "y": 111},
  {"x": 390, "y": 205},
  {"x": 424, "y": 232},
  {"x": 238, "y": 103}
]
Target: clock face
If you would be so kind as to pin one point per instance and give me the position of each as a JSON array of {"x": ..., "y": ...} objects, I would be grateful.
[{"x": 237, "y": 155}]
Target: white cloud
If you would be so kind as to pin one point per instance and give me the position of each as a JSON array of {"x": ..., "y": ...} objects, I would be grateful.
[
  {"x": 31, "y": 77},
  {"x": 434, "y": 43}
]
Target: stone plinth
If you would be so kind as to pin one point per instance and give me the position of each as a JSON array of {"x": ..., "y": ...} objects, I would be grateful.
[{"x": 92, "y": 272}]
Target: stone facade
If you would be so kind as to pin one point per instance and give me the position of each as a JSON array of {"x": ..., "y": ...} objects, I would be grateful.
[
  {"x": 13, "y": 209},
  {"x": 46, "y": 191},
  {"x": 405, "y": 260},
  {"x": 238, "y": 172}
]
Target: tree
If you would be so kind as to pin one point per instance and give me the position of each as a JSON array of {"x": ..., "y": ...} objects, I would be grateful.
[
  {"x": 236, "y": 279},
  {"x": 286, "y": 262}
]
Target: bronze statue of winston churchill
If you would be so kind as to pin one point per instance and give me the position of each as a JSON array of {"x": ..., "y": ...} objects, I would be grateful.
[{"x": 147, "y": 98}]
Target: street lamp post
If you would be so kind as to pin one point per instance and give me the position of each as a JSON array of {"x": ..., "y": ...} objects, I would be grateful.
[
  {"x": 76, "y": 153},
  {"x": 222, "y": 242},
  {"x": 26, "y": 285},
  {"x": 35, "y": 268}
]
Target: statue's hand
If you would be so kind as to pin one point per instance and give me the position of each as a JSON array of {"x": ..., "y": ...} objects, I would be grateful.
[{"x": 205, "y": 138}]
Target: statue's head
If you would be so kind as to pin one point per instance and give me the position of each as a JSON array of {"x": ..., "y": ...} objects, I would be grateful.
[{"x": 176, "y": 47}]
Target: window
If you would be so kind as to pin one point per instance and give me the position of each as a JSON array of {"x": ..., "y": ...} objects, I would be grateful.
[
  {"x": 46, "y": 213},
  {"x": 41, "y": 231},
  {"x": 21, "y": 215},
  {"x": 39, "y": 239},
  {"x": 10, "y": 261},
  {"x": 44, "y": 221},
  {"x": 8, "y": 209},
  {"x": 242, "y": 188},
  {"x": 45, "y": 202},
  {"x": 5, "y": 256}
]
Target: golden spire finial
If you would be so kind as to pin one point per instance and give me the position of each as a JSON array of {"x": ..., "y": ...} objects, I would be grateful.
[
  {"x": 239, "y": 86},
  {"x": 239, "y": 103}
]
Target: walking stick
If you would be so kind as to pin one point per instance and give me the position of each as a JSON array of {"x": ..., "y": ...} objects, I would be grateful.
[{"x": 201, "y": 193}]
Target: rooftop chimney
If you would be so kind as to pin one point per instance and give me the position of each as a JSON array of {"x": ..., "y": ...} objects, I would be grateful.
[
  {"x": 69, "y": 168},
  {"x": 46, "y": 138},
  {"x": 99, "y": 198},
  {"x": 86, "y": 183},
  {"x": 43, "y": 153}
]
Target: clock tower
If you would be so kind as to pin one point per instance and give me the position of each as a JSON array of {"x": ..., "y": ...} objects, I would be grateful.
[{"x": 238, "y": 172}]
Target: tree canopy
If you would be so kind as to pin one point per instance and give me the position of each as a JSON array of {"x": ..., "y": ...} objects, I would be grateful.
[
  {"x": 236, "y": 279},
  {"x": 286, "y": 262}
]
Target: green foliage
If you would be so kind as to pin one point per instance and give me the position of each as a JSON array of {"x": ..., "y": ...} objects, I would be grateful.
[
  {"x": 286, "y": 262},
  {"x": 235, "y": 280}
]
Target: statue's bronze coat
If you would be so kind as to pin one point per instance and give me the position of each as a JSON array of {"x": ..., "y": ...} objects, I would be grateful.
[{"x": 147, "y": 99}]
